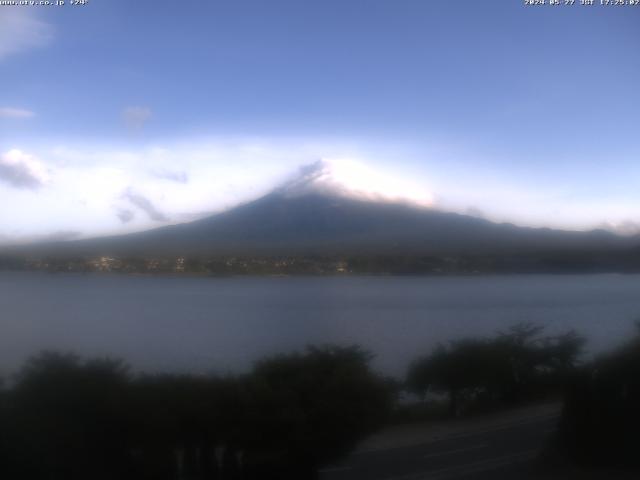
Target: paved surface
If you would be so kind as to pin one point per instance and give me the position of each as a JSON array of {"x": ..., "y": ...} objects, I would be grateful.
[{"x": 501, "y": 446}]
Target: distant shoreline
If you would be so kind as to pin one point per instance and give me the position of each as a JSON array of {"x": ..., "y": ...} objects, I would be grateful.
[
  {"x": 322, "y": 275},
  {"x": 331, "y": 264}
]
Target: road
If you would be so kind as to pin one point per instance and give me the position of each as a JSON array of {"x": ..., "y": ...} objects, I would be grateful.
[{"x": 497, "y": 449}]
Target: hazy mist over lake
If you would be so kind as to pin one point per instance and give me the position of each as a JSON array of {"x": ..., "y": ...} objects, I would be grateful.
[{"x": 224, "y": 324}]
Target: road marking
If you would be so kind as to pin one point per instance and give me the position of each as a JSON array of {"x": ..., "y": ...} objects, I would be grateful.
[
  {"x": 499, "y": 427},
  {"x": 480, "y": 466},
  {"x": 440, "y": 437},
  {"x": 458, "y": 450}
]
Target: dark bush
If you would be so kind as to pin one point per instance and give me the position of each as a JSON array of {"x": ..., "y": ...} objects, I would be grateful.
[
  {"x": 69, "y": 419},
  {"x": 513, "y": 366},
  {"x": 601, "y": 416}
]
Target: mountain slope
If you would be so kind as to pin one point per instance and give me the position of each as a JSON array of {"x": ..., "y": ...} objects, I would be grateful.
[
  {"x": 341, "y": 208},
  {"x": 324, "y": 224}
]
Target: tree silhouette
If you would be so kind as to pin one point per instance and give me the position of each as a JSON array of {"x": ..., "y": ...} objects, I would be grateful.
[
  {"x": 315, "y": 406},
  {"x": 68, "y": 418},
  {"x": 601, "y": 418},
  {"x": 508, "y": 368}
]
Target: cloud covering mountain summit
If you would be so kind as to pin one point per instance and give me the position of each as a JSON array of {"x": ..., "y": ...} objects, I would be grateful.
[{"x": 352, "y": 179}]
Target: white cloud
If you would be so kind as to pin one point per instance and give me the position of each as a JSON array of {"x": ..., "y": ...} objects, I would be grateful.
[
  {"x": 20, "y": 113},
  {"x": 125, "y": 215},
  {"x": 177, "y": 176},
  {"x": 21, "y": 170},
  {"x": 136, "y": 117},
  {"x": 102, "y": 189},
  {"x": 21, "y": 30},
  {"x": 144, "y": 204},
  {"x": 622, "y": 227},
  {"x": 349, "y": 177},
  {"x": 98, "y": 189}
]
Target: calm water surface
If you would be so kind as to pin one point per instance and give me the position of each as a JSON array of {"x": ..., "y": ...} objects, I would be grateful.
[{"x": 224, "y": 324}]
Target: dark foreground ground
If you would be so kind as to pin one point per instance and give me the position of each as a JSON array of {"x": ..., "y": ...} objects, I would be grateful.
[{"x": 512, "y": 445}]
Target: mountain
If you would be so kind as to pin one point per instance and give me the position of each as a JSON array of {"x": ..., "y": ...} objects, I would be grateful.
[{"x": 317, "y": 213}]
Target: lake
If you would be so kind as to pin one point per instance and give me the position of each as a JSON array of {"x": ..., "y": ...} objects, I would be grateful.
[{"x": 225, "y": 324}]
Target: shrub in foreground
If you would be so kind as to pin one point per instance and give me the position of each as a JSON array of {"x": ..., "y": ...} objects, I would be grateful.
[{"x": 67, "y": 418}]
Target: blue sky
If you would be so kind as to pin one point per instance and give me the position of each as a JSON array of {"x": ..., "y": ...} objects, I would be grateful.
[{"x": 525, "y": 114}]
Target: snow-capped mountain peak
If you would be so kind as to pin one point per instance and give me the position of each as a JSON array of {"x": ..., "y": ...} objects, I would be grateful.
[{"x": 352, "y": 179}]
